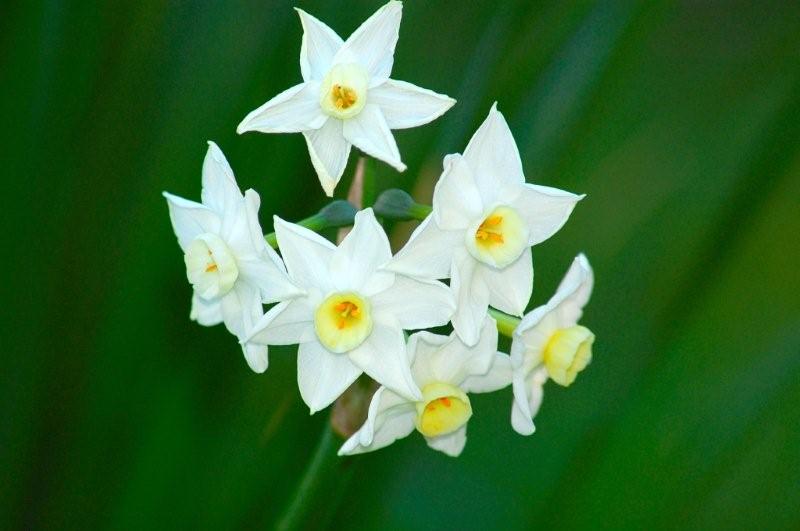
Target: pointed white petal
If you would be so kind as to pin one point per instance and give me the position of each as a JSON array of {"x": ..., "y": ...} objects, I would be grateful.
[
  {"x": 220, "y": 191},
  {"x": 190, "y": 219},
  {"x": 369, "y": 132},
  {"x": 383, "y": 357},
  {"x": 361, "y": 253},
  {"x": 405, "y": 105},
  {"x": 206, "y": 313},
  {"x": 372, "y": 44},
  {"x": 241, "y": 309},
  {"x": 544, "y": 209},
  {"x": 564, "y": 308},
  {"x": 575, "y": 290},
  {"x": 322, "y": 376},
  {"x": 261, "y": 272},
  {"x": 422, "y": 348},
  {"x": 497, "y": 377},
  {"x": 451, "y": 444},
  {"x": 258, "y": 264},
  {"x": 329, "y": 151},
  {"x": 510, "y": 288},
  {"x": 472, "y": 298},
  {"x": 528, "y": 394},
  {"x": 319, "y": 46},
  {"x": 390, "y": 417},
  {"x": 416, "y": 304},
  {"x": 456, "y": 200},
  {"x": 286, "y": 323},
  {"x": 307, "y": 255},
  {"x": 455, "y": 361},
  {"x": 428, "y": 252},
  {"x": 493, "y": 156},
  {"x": 294, "y": 110}
]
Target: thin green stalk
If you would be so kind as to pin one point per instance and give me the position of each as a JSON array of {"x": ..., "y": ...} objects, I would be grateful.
[
  {"x": 322, "y": 465},
  {"x": 506, "y": 324}
]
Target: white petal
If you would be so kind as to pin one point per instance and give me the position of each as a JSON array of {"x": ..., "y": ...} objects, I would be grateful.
[
  {"x": 528, "y": 394},
  {"x": 369, "y": 132},
  {"x": 428, "y": 252},
  {"x": 472, "y": 298},
  {"x": 383, "y": 357},
  {"x": 405, "y": 105},
  {"x": 260, "y": 265},
  {"x": 322, "y": 376},
  {"x": 497, "y": 377},
  {"x": 564, "y": 308},
  {"x": 257, "y": 357},
  {"x": 287, "y": 323},
  {"x": 422, "y": 348},
  {"x": 329, "y": 151},
  {"x": 510, "y": 288},
  {"x": 220, "y": 191},
  {"x": 574, "y": 291},
  {"x": 456, "y": 200},
  {"x": 493, "y": 156},
  {"x": 294, "y": 110},
  {"x": 319, "y": 46},
  {"x": 544, "y": 209},
  {"x": 241, "y": 309},
  {"x": 206, "y": 313},
  {"x": 307, "y": 255},
  {"x": 416, "y": 304},
  {"x": 372, "y": 44},
  {"x": 390, "y": 417},
  {"x": 451, "y": 444},
  {"x": 455, "y": 361},
  {"x": 357, "y": 259},
  {"x": 190, "y": 219}
]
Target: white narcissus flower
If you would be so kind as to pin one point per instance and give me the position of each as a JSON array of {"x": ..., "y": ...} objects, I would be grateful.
[
  {"x": 228, "y": 262},
  {"x": 485, "y": 219},
  {"x": 548, "y": 342},
  {"x": 352, "y": 316},
  {"x": 445, "y": 369},
  {"x": 347, "y": 98}
]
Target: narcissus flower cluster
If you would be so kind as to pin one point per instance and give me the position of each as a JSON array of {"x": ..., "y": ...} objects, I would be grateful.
[{"x": 353, "y": 308}]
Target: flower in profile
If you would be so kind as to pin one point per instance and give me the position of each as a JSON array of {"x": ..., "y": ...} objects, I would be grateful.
[
  {"x": 347, "y": 98},
  {"x": 445, "y": 369},
  {"x": 549, "y": 342},
  {"x": 485, "y": 219},
  {"x": 351, "y": 318},
  {"x": 228, "y": 263}
]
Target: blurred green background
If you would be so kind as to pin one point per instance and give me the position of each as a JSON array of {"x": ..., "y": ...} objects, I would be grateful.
[{"x": 680, "y": 120}]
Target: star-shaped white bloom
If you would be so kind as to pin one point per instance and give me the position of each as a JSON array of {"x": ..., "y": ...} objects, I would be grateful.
[
  {"x": 346, "y": 97},
  {"x": 548, "y": 342},
  {"x": 485, "y": 219},
  {"x": 445, "y": 369},
  {"x": 227, "y": 260},
  {"x": 352, "y": 316}
]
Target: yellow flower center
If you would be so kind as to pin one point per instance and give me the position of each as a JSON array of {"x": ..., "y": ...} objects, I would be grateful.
[
  {"x": 499, "y": 238},
  {"x": 343, "y": 97},
  {"x": 567, "y": 353},
  {"x": 343, "y": 321},
  {"x": 444, "y": 409},
  {"x": 210, "y": 266},
  {"x": 344, "y": 91}
]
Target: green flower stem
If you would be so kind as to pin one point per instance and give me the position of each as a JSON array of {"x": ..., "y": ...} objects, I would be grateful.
[
  {"x": 339, "y": 213},
  {"x": 324, "y": 466},
  {"x": 506, "y": 324}
]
